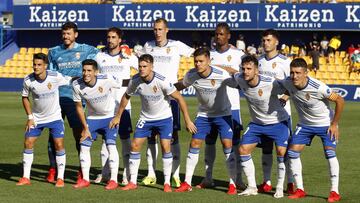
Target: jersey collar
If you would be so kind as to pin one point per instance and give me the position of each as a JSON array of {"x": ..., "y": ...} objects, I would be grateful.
[
  {"x": 39, "y": 80},
  {"x": 211, "y": 70},
  {"x": 76, "y": 45}
]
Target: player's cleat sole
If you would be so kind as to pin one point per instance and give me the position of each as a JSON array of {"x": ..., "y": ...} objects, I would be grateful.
[
  {"x": 59, "y": 183},
  {"x": 298, "y": 194},
  {"x": 23, "y": 181},
  {"x": 205, "y": 183},
  {"x": 51, "y": 175},
  {"x": 175, "y": 182},
  {"x": 129, "y": 186},
  {"x": 264, "y": 188},
  {"x": 112, "y": 185},
  {"x": 184, "y": 187},
  {"x": 334, "y": 197},
  {"x": 290, "y": 190},
  {"x": 232, "y": 190},
  {"x": 249, "y": 191},
  {"x": 148, "y": 180},
  {"x": 167, "y": 188},
  {"x": 279, "y": 193},
  {"x": 81, "y": 184}
]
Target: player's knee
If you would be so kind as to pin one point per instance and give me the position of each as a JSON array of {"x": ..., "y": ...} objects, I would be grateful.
[
  {"x": 292, "y": 154},
  {"x": 195, "y": 143},
  {"x": 135, "y": 146},
  {"x": 330, "y": 153},
  {"x": 29, "y": 144},
  {"x": 243, "y": 150},
  {"x": 59, "y": 145}
]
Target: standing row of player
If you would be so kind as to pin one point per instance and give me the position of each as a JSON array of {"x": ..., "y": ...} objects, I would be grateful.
[{"x": 214, "y": 116}]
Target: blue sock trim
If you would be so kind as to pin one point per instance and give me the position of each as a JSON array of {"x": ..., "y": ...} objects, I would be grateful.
[
  {"x": 167, "y": 155},
  {"x": 60, "y": 153},
  {"x": 110, "y": 142},
  {"x": 227, "y": 150},
  {"x": 244, "y": 158},
  {"x": 280, "y": 159},
  {"x": 87, "y": 142},
  {"x": 135, "y": 155},
  {"x": 293, "y": 154},
  {"x": 330, "y": 153},
  {"x": 194, "y": 150},
  {"x": 28, "y": 151}
]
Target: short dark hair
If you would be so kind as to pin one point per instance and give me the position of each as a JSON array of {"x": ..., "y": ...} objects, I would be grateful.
[
  {"x": 272, "y": 32},
  {"x": 224, "y": 26},
  {"x": 147, "y": 58},
  {"x": 202, "y": 51},
  {"x": 41, "y": 56},
  {"x": 91, "y": 62},
  {"x": 116, "y": 30},
  {"x": 69, "y": 25},
  {"x": 248, "y": 59},
  {"x": 298, "y": 63},
  {"x": 162, "y": 20}
]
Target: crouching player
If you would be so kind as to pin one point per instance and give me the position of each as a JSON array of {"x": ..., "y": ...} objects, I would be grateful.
[
  {"x": 154, "y": 91},
  {"x": 96, "y": 89},
  {"x": 311, "y": 98},
  {"x": 46, "y": 113}
]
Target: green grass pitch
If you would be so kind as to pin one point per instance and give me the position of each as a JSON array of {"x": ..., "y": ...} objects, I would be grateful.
[{"x": 315, "y": 169}]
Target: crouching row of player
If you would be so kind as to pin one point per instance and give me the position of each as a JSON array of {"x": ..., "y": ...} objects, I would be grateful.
[{"x": 268, "y": 119}]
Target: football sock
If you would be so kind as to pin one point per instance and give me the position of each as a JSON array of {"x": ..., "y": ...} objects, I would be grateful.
[
  {"x": 249, "y": 169},
  {"x": 230, "y": 164},
  {"x": 85, "y": 161},
  {"x": 134, "y": 163},
  {"x": 125, "y": 150},
  {"x": 51, "y": 152},
  {"x": 167, "y": 165},
  {"x": 104, "y": 156},
  {"x": 210, "y": 154},
  {"x": 113, "y": 161},
  {"x": 237, "y": 163},
  {"x": 191, "y": 161},
  {"x": 175, "y": 149},
  {"x": 296, "y": 168},
  {"x": 333, "y": 169},
  {"x": 151, "y": 155},
  {"x": 28, "y": 157},
  {"x": 61, "y": 162},
  {"x": 281, "y": 172},
  {"x": 289, "y": 175},
  {"x": 267, "y": 161}
]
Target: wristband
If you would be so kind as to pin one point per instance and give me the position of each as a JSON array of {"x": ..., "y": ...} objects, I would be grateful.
[{"x": 30, "y": 117}]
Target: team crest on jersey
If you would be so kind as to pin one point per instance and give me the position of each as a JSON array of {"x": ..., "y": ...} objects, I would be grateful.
[
  {"x": 100, "y": 89},
  {"x": 260, "y": 92},
  {"x": 49, "y": 85},
  {"x": 77, "y": 55},
  {"x": 274, "y": 65},
  {"x": 307, "y": 96},
  {"x": 155, "y": 89},
  {"x": 168, "y": 50},
  {"x": 229, "y": 58},
  {"x": 212, "y": 82}
]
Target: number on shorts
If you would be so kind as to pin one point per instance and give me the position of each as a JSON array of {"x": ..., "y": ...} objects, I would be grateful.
[
  {"x": 297, "y": 130},
  {"x": 140, "y": 124}
]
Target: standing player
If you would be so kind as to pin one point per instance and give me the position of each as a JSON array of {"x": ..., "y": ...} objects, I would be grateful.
[
  {"x": 225, "y": 56},
  {"x": 113, "y": 61},
  {"x": 214, "y": 112},
  {"x": 154, "y": 90},
  {"x": 166, "y": 55},
  {"x": 96, "y": 90},
  {"x": 311, "y": 98},
  {"x": 66, "y": 59},
  {"x": 268, "y": 119},
  {"x": 46, "y": 113},
  {"x": 275, "y": 65}
]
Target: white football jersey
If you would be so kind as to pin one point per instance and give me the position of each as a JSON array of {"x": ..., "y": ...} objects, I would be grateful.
[
  {"x": 167, "y": 57},
  {"x": 277, "y": 67},
  {"x": 211, "y": 92},
  {"x": 99, "y": 98},
  {"x": 119, "y": 67},
  {"x": 154, "y": 95},
  {"x": 311, "y": 102},
  {"x": 45, "y": 96},
  {"x": 264, "y": 105},
  {"x": 229, "y": 58}
]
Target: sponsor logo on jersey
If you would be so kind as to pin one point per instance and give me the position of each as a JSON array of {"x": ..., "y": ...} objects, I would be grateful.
[
  {"x": 49, "y": 85},
  {"x": 273, "y": 65},
  {"x": 168, "y": 50},
  {"x": 77, "y": 55},
  {"x": 307, "y": 96},
  {"x": 212, "y": 82},
  {"x": 229, "y": 58},
  {"x": 260, "y": 92},
  {"x": 100, "y": 89},
  {"x": 155, "y": 89}
]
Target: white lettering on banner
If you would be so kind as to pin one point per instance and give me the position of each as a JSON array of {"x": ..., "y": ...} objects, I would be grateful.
[
  {"x": 351, "y": 14},
  {"x": 140, "y": 15},
  {"x": 193, "y": 14},
  {"x": 53, "y": 16},
  {"x": 189, "y": 91},
  {"x": 357, "y": 93},
  {"x": 273, "y": 14}
]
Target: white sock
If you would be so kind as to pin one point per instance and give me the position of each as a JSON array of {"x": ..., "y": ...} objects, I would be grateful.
[
  {"x": 134, "y": 163},
  {"x": 237, "y": 164},
  {"x": 151, "y": 155},
  {"x": 85, "y": 161},
  {"x": 113, "y": 162},
  {"x": 249, "y": 169},
  {"x": 167, "y": 165},
  {"x": 296, "y": 170},
  {"x": 281, "y": 172},
  {"x": 175, "y": 149},
  {"x": 104, "y": 156},
  {"x": 267, "y": 161},
  {"x": 125, "y": 151},
  {"x": 28, "y": 158},
  {"x": 210, "y": 155},
  {"x": 191, "y": 161},
  {"x": 230, "y": 165},
  {"x": 334, "y": 174},
  {"x": 289, "y": 175},
  {"x": 61, "y": 162}
]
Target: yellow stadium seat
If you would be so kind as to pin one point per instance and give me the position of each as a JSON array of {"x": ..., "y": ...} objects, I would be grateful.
[
  {"x": 319, "y": 75},
  {"x": 31, "y": 50},
  {"x": 28, "y": 57},
  {"x": 28, "y": 64},
  {"x": 7, "y": 62},
  {"x": 322, "y": 60},
  {"x": 331, "y": 68},
  {"x": 37, "y": 50},
  {"x": 45, "y": 50},
  {"x": 352, "y": 76},
  {"x": 342, "y": 54},
  {"x": 312, "y": 74}
]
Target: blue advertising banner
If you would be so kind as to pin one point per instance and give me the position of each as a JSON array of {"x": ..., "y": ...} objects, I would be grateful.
[{"x": 191, "y": 16}]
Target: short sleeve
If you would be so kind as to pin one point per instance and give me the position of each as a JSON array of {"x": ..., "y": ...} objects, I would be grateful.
[
  {"x": 278, "y": 87},
  {"x": 92, "y": 52},
  {"x": 184, "y": 49},
  {"x": 134, "y": 62},
  {"x": 131, "y": 89},
  {"x": 187, "y": 81},
  {"x": 52, "y": 63},
  {"x": 325, "y": 91},
  {"x": 167, "y": 87},
  {"x": 26, "y": 88},
  {"x": 115, "y": 82},
  {"x": 76, "y": 93},
  {"x": 63, "y": 80}
]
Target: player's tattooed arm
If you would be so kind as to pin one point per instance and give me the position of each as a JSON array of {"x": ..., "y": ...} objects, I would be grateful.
[{"x": 339, "y": 106}]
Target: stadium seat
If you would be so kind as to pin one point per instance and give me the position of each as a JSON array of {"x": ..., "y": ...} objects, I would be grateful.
[
  {"x": 22, "y": 50},
  {"x": 31, "y": 50}
]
